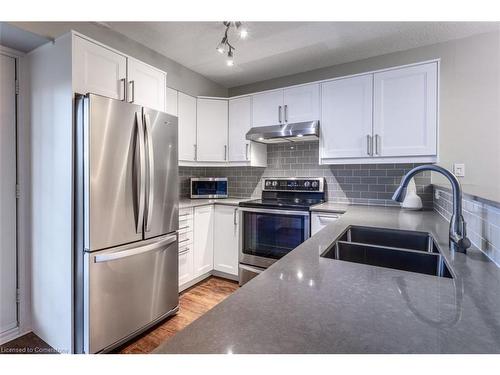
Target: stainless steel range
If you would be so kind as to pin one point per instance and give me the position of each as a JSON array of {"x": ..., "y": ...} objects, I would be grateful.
[{"x": 277, "y": 223}]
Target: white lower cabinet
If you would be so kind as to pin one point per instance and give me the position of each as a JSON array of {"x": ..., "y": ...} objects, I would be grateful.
[
  {"x": 319, "y": 220},
  {"x": 226, "y": 236},
  {"x": 186, "y": 252},
  {"x": 203, "y": 240}
]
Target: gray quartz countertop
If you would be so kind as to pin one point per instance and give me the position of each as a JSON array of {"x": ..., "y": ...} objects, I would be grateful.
[
  {"x": 188, "y": 203},
  {"x": 307, "y": 304}
]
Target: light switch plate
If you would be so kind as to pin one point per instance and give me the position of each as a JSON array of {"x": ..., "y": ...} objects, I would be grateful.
[{"x": 459, "y": 170}]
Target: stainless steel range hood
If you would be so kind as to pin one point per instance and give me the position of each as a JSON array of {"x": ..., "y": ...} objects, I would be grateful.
[{"x": 296, "y": 132}]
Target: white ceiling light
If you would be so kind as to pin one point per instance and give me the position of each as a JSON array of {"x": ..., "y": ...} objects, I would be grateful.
[{"x": 225, "y": 46}]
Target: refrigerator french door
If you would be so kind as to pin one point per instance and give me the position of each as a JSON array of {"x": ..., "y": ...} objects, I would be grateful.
[{"x": 126, "y": 189}]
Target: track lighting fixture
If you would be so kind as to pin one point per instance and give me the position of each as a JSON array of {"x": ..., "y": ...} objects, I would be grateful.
[{"x": 225, "y": 46}]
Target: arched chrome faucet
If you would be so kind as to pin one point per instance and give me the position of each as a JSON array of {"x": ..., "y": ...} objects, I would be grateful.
[{"x": 458, "y": 233}]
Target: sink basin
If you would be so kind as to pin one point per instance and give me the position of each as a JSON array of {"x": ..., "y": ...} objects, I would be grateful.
[
  {"x": 401, "y": 239},
  {"x": 401, "y": 250}
]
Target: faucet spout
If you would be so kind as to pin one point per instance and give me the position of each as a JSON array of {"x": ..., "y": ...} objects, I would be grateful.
[{"x": 458, "y": 233}]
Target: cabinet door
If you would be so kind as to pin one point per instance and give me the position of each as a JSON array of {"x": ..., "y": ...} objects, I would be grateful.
[
  {"x": 98, "y": 70},
  {"x": 146, "y": 85},
  {"x": 267, "y": 108},
  {"x": 211, "y": 128},
  {"x": 203, "y": 240},
  {"x": 171, "y": 101},
  {"x": 301, "y": 103},
  {"x": 346, "y": 117},
  {"x": 319, "y": 220},
  {"x": 405, "y": 111},
  {"x": 226, "y": 237},
  {"x": 187, "y": 127},
  {"x": 240, "y": 122}
]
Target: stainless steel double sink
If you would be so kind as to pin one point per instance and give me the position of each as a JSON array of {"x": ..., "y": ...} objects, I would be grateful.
[{"x": 398, "y": 249}]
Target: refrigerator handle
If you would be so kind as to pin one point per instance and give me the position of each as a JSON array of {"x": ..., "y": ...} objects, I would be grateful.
[
  {"x": 141, "y": 172},
  {"x": 151, "y": 193}
]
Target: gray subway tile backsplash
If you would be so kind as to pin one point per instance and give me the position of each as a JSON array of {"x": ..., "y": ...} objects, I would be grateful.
[
  {"x": 483, "y": 221},
  {"x": 357, "y": 184}
]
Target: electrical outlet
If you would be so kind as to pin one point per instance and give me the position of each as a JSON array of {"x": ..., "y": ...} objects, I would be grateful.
[{"x": 459, "y": 170}]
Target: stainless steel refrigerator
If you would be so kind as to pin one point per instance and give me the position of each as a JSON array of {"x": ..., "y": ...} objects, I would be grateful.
[{"x": 126, "y": 221}]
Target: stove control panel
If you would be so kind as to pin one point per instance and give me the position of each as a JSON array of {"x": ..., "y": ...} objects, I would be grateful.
[{"x": 293, "y": 184}]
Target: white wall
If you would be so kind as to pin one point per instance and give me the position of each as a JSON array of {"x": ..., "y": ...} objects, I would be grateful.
[{"x": 469, "y": 100}]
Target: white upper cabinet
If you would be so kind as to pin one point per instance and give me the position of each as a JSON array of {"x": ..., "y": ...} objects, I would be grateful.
[
  {"x": 226, "y": 237},
  {"x": 240, "y": 122},
  {"x": 171, "y": 101},
  {"x": 346, "y": 119},
  {"x": 212, "y": 128},
  {"x": 405, "y": 111},
  {"x": 301, "y": 103},
  {"x": 187, "y": 127},
  {"x": 98, "y": 70},
  {"x": 267, "y": 108},
  {"x": 146, "y": 85}
]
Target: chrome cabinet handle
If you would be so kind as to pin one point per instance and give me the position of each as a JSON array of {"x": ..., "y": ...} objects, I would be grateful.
[
  {"x": 195, "y": 152},
  {"x": 135, "y": 251},
  {"x": 141, "y": 172},
  {"x": 369, "y": 144},
  {"x": 184, "y": 251},
  {"x": 124, "y": 81},
  {"x": 286, "y": 112},
  {"x": 234, "y": 216},
  {"x": 246, "y": 151},
  {"x": 181, "y": 228},
  {"x": 187, "y": 239},
  {"x": 182, "y": 215},
  {"x": 225, "y": 152},
  {"x": 132, "y": 84},
  {"x": 151, "y": 193},
  {"x": 377, "y": 144},
  {"x": 279, "y": 114}
]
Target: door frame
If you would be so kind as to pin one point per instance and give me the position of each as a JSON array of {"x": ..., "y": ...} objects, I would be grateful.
[{"x": 22, "y": 205}]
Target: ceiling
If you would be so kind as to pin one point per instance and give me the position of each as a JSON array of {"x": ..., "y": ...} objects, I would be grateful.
[{"x": 275, "y": 49}]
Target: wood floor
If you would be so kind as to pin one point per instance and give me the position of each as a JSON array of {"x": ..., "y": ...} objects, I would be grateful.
[{"x": 193, "y": 303}]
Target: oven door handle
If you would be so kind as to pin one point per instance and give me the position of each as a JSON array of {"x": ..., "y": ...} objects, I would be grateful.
[{"x": 274, "y": 211}]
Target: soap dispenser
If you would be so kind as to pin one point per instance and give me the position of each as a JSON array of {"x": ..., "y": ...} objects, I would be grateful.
[{"x": 412, "y": 201}]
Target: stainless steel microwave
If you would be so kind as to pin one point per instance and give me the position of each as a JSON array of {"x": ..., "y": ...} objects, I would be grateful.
[{"x": 209, "y": 187}]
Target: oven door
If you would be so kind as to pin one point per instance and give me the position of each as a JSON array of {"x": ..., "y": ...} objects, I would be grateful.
[{"x": 269, "y": 234}]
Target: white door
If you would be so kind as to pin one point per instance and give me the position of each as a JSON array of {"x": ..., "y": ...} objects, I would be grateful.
[
  {"x": 267, "y": 108},
  {"x": 301, "y": 103},
  {"x": 203, "y": 240},
  {"x": 226, "y": 237},
  {"x": 8, "y": 266},
  {"x": 146, "y": 85},
  {"x": 405, "y": 111},
  {"x": 98, "y": 70},
  {"x": 211, "y": 127},
  {"x": 346, "y": 117},
  {"x": 240, "y": 122},
  {"x": 187, "y": 127},
  {"x": 171, "y": 101}
]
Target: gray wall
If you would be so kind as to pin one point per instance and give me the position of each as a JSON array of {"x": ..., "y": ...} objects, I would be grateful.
[
  {"x": 359, "y": 184},
  {"x": 178, "y": 76},
  {"x": 469, "y": 99}
]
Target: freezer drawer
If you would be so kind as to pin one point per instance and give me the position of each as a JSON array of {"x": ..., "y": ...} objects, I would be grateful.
[{"x": 127, "y": 289}]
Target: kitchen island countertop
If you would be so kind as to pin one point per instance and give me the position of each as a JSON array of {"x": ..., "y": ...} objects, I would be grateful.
[{"x": 308, "y": 304}]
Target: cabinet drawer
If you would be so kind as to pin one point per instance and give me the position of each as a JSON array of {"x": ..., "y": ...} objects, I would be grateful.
[{"x": 186, "y": 237}]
